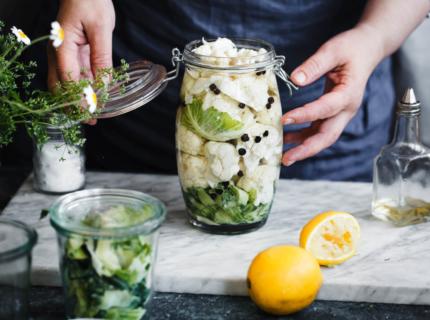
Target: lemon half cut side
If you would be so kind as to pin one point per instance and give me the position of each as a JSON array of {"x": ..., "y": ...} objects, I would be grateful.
[{"x": 331, "y": 237}]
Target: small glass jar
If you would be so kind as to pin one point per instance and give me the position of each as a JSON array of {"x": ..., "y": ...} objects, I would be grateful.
[
  {"x": 16, "y": 242},
  {"x": 229, "y": 136},
  {"x": 107, "y": 243},
  {"x": 58, "y": 167}
]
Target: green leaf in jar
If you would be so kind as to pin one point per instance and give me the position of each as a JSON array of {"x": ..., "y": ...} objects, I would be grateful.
[{"x": 210, "y": 124}]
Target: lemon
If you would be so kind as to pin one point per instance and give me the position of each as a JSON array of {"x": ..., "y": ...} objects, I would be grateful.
[
  {"x": 284, "y": 279},
  {"x": 331, "y": 237}
]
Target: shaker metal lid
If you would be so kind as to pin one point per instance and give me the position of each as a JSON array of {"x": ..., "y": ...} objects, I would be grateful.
[
  {"x": 146, "y": 81},
  {"x": 409, "y": 103}
]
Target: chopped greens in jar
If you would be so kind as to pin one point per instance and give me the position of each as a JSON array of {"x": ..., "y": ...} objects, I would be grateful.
[{"x": 109, "y": 278}]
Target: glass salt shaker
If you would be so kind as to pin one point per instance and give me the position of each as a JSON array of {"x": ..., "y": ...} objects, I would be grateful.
[
  {"x": 58, "y": 167},
  {"x": 401, "y": 175}
]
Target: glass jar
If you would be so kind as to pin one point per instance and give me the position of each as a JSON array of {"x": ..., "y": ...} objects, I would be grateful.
[
  {"x": 58, "y": 167},
  {"x": 107, "y": 244},
  {"x": 229, "y": 136},
  {"x": 401, "y": 173},
  {"x": 16, "y": 242}
]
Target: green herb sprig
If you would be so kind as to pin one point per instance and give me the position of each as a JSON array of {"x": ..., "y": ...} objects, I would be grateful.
[{"x": 37, "y": 110}]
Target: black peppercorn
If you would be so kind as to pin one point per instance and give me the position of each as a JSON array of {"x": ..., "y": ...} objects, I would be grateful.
[
  {"x": 241, "y": 105},
  {"x": 257, "y": 139},
  {"x": 268, "y": 106},
  {"x": 217, "y": 91},
  {"x": 242, "y": 151},
  {"x": 270, "y": 100},
  {"x": 240, "y": 173},
  {"x": 265, "y": 133},
  {"x": 244, "y": 137},
  {"x": 212, "y": 86}
]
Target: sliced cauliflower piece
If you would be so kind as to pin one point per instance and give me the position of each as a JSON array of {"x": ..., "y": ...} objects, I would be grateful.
[
  {"x": 192, "y": 170},
  {"x": 222, "y": 103},
  {"x": 271, "y": 116},
  {"x": 193, "y": 72},
  {"x": 221, "y": 47},
  {"x": 262, "y": 182},
  {"x": 187, "y": 83},
  {"x": 223, "y": 161},
  {"x": 250, "y": 90},
  {"x": 188, "y": 142},
  {"x": 262, "y": 144}
]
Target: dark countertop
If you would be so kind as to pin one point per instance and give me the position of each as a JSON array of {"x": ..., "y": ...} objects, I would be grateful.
[{"x": 48, "y": 303}]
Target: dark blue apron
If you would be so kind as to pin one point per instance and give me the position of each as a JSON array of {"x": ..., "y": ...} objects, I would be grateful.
[{"x": 143, "y": 140}]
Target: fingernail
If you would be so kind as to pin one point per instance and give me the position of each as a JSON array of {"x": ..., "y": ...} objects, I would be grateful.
[
  {"x": 288, "y": 121},
  {"x": 289, "y": 163},
  {"x": 299, "y": 77}
]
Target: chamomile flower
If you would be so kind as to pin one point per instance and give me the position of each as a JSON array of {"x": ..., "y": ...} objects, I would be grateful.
[
  {"x": 20, "y": 35},
  {"x": 57, "y": 34},
  {"x": 91, "y": 98}
]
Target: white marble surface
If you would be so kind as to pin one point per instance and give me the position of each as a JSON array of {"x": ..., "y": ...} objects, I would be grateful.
[{"x": 392, "y": 264}]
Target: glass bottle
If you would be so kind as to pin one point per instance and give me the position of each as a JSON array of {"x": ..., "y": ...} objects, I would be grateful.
[
  {"x": 58, "y": 167},
  {"x": 401, "y": 176},
  {"x": 229, "y": 136}
]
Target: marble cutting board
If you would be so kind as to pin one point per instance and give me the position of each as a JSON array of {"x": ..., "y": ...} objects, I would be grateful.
[{"x": 392, "y": 264}]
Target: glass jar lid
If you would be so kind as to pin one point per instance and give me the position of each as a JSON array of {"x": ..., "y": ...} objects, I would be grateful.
[
  {"x": 16, "y": 239},
  {"x": 107, "y": 213},
  {"x": 146, "y": 81}
]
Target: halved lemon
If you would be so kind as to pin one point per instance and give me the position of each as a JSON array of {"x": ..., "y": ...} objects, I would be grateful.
[{"x": 331, "y": 237}]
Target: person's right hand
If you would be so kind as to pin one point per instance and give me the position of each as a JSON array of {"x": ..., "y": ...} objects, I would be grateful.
[{"x": 87, "y": 45}]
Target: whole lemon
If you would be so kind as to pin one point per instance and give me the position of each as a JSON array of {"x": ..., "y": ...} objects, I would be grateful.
[{"x": 284, "y": 279}]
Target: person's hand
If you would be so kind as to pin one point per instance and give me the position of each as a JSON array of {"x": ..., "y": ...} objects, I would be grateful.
[
  {"x": 347, "y": 60},
  {"x": 87, "y": 45}
]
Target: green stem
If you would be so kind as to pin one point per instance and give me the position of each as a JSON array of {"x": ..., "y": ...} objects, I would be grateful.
[{"x": 20, "y": 51}]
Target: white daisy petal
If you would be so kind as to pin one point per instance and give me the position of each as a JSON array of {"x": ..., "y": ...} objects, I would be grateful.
[
  {"x": 57, "y": 34},
  {"x": 91, "y": 99},
  {"x": 20, "y": 35}
]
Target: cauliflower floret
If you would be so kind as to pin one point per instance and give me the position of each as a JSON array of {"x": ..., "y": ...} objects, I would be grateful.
[
  {"x": 202, "y": 84},
  {"x": 192, "y": 171},
  {"x": 251, "y": 90},
  {"x": 271, "y": 116},
  {"x": 222, "y": 103},
  {"x": 262, "y": 143},
  {"x": 187, "y": 83},
  {"x": 223, "y": 161},
  {"x": 221, "y": 47},
  {"x": 216, "y": 52},
  {"x": 188, "y": 142},
  {"x": 262, "y": 181}
]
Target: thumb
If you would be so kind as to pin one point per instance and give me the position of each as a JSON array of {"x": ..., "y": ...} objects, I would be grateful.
[
  {"x": 100, "y": 39},
  {"x": 315, "y": 66}
]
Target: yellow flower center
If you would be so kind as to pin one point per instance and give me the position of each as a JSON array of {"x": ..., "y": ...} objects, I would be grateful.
[
  {"x": 94, "y": 98},
  {"x": 22, "y": 34},
  {"x": 61, "y": 34}
]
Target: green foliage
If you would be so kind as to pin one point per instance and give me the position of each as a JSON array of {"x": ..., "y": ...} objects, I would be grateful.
[
  {"x": 224, "y": 205},
  {"x": 119, "y": 294},
  {"x": 37, "y": 110},
  {"x": 210, "y": 124}
]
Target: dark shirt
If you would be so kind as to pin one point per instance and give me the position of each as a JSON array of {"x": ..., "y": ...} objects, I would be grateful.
[{"x": 143, "y": 140}]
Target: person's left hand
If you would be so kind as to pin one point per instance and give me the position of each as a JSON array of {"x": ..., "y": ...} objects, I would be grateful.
[{"x": 347, "y": 60}]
